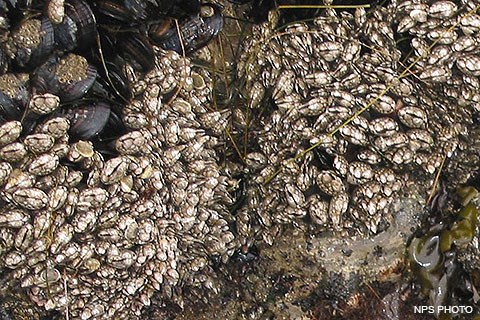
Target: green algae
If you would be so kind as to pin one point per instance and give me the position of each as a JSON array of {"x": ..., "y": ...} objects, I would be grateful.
[{"x": 433, "y": 256}]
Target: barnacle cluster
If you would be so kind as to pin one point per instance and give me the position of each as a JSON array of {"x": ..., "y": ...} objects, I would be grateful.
[
  {"x": 345, "y": 121},
  {"x": 106, "y": 206}
]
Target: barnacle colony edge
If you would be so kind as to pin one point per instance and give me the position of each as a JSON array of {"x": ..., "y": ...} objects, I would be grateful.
[{"x": 152, "y": 217}]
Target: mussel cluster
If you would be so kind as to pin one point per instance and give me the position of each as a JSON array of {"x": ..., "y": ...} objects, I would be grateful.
[
  {"x": 64, "y": 52},
  {"x": 119, "y": 186}
]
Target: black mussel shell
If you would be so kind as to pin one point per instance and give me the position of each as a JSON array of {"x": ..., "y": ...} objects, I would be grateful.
[
  {"x": 259, "y": 10},
  {"x": 4, "y": 61},
  {"x": 195, "y": 31},
  {"x": 113, "y": 12},
  {"x": 129, "y": 12},
  {"x": 191, "y": 6},
  {"x": 34, "y": 41},
  {"x": 111, "y": 74},
  {"x": 112, "y": 83},
  {"x": 137, "y": 9},
  {"x": 78, "y": 29},
  {"x": 162, "y": 29},
  {"x": 180, "y": 8},
  {"x": 66, "y": 34},
  {"x": 69, "y": 77},
  {"x": 75, "y": 75},
  {"x": 239, "y": 1},
  {"x": 138, "y": 50},
  {"x": 87, "y": 120},
  {"x": 114, "y": 128},
  {"x": 117, "y": 80},
  {"x": 43, "y": 78},
  {"x": 13, "y": 95}
]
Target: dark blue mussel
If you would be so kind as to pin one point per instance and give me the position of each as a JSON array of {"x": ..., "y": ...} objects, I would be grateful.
[
  {"x": 78, "y": 28},
  {"x": 87, "y": 120},
  {"x": 138, "y": 50},
  {"x": 124, "y": 12},
  {"x": 69, "y": 77},
  {"x": 196, "y": 31},
  {"x": 94, "y": 121},
  {"x": 180, "y": 8},
  {"x": 115, "y": 81},
  {"x": 13, "y": 95},
  {"x": 33, "y": 41},
  {"x": 131, "y": 12}
]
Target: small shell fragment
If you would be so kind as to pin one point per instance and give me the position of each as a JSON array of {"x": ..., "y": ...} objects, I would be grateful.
[
  {"x": 413, "y": 117},
  {"x": 114, "y": 170},
  {"x": 5, "y": 170},
  {"x": 57, "y": 197},
  {"x": 91, "y": 198},
  {"x": 338, "y": 206},
  {"x": 383, "y": 126},
  {"x": 13, "y": 259},
  {"x": 469, "y": 64},
  {"x": 131, "y": 143},
  {"x": 442, "y": 9},
  {"x": 56, "y": 127},
  {"x": 13, "y": 218}
]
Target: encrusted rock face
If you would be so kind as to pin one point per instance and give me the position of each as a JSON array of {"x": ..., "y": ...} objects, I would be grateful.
[
  {"x": 344, "y": 122},
  {"x": 444, "y": 37},
  {"x": 344, "y": 132}
]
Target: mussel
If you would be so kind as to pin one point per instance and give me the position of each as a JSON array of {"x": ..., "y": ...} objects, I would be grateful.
[
  {"x": 115, "y": 80},
  {"x": 180, "y": 8},
  {"x": 138, "y": 49},
  {"x": 13, "y": 95},
  {"x": 78, "y": 28},
  {"x": 114, "y": 12},
  {"x": 196, "y": 31},
  {"x": 87, "y": 120},
  {"x": 69, "y": 77},
  {"x": 131, "y": 12},
  {"x": 33, "y": 42}
]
